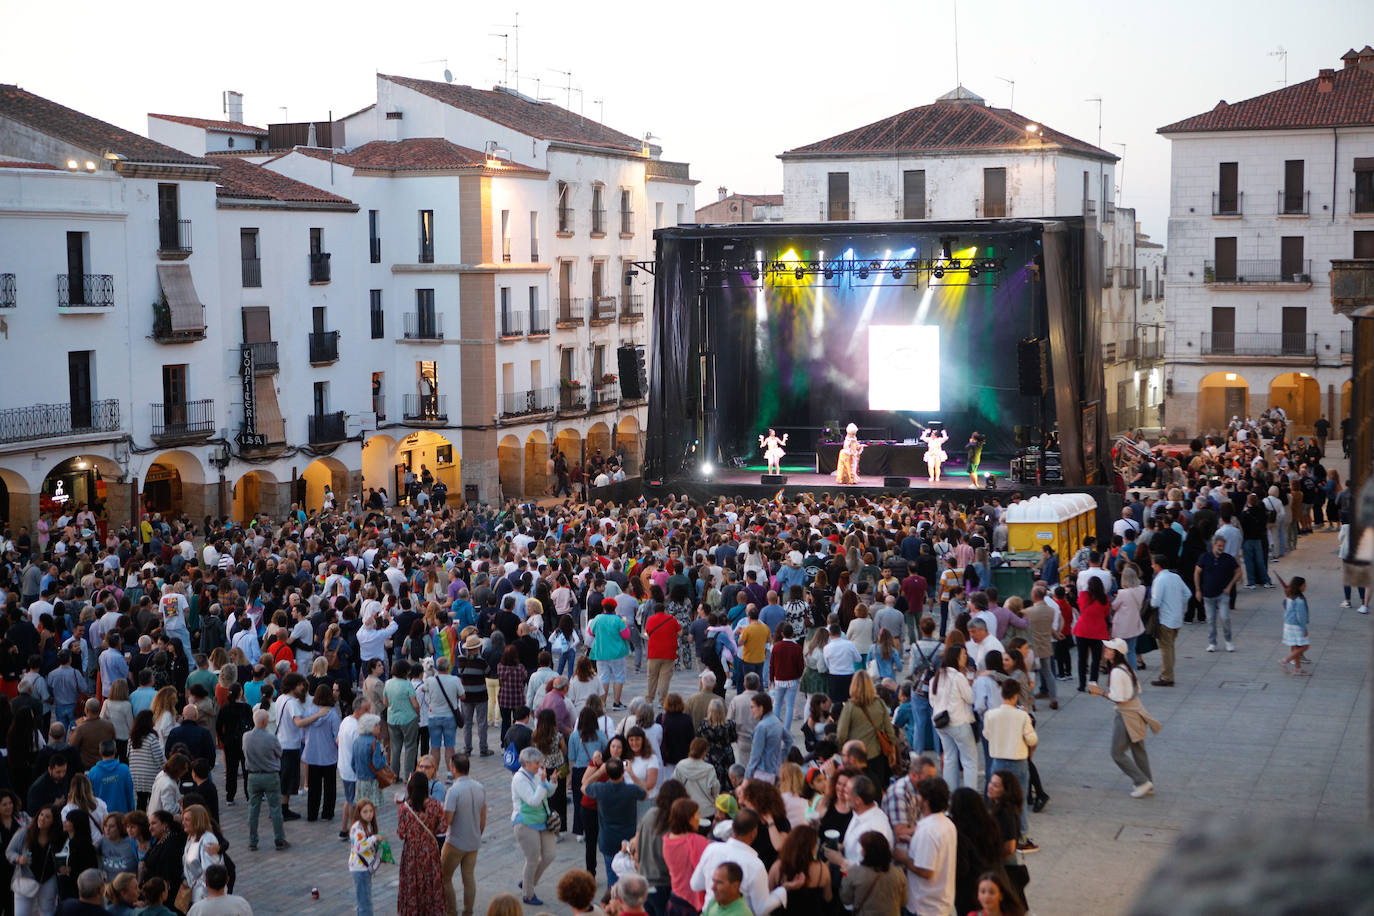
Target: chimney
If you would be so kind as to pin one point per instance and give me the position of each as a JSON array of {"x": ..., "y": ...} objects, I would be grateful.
[
  {"x": 1351, "y": 58},
  {"x": 722, "y": 194},
  {"x": 1366, "y": 58},
  {"x": 1326, "y": 79},
  {"x": 233, "y": 106}
]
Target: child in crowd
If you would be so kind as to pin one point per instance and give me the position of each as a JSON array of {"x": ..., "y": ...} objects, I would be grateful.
[{"x": 1295, "y": 625}]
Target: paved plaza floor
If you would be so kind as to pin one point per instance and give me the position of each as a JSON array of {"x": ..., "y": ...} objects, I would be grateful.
[{"x": 1240, "y": 737}]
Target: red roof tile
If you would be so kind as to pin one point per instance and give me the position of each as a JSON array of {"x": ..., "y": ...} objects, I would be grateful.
[
  {"x": 536, "y": 119},
  {"x": 23, "y": 164},
  {"x": 242, "y": 180},
  {"x": 417, "y": 154},
  {"x": 1349, "y": 101},
  {"x": 945, "y": 126},
  {"x": 218, "y": 127},
  {"x": 84, "y": 131}
]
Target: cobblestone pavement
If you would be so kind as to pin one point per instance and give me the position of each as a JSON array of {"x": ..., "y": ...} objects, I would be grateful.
[{"x": 1240, "y": 736}]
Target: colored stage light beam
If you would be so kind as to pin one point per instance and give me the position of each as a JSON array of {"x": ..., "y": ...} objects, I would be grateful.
[
  {"x": 923, "y": 310},
  {"x": 818, "y": 313}
]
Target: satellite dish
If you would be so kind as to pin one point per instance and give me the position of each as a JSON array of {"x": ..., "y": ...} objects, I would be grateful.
[{"x": 448, "y": 75}]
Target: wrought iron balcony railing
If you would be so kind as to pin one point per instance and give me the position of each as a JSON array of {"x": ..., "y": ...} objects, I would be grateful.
[
  {"x": 425, "y": 408},
  {"x": 324, "y": 346},
  {"x": 524, "y": 403},
  {"x": 539, "y": 322},
  {"x": 603, "y": 310},
  {"x": 264, "y": 355},
  {"x": 174, "y": 236},
  {"x": 1294, "y": 203},
  {"x": 1228, "y": 204},
  {"x": 85, "y": 291},
  {"x": 188, "y": 420},
  {"x": 252, "y": 272},
  {"x": 1263, "y": 271},
  {"x": 424, "y": 326},
  {"x": 329, "y": 427},
  {"x": 571, "y": 312},
  {"x": 1259, "y": 343},
  {"x": 319, "y": 267},
  {"x": 44, "y": 421},
  {"x": 512, "y": 324},
  {"x": 9, "y": 292},
  {"x": 631, "y": 307}
]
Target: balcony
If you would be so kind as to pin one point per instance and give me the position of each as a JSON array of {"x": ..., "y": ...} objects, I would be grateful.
[
  {"x": 264, "y": 356},
  {"x": 379, "y": 406},
  {"x": 324, "y": 347},
  {"x": 162, "y": 326},
  {"x": 1151, "y": 350},
  {"x": 85, "y": 291},
  {"x": 627, "y": 224},
  {"x": 45, "y": 421},
  {"x": 319, "y": 267},
  {"x": 571, "y": 314},
  {"x": 631, "y": 308},
  {"x": 512, "y": 325},
  {"x": 328, "y": 428},
  {"x": 1347, "y": 344},
  {"x": 1294, "y": 203},
  {"x": 527, "y": 403},
  {"x": 1257, "y": 273},
  {"x": 269, "y": 437},
  {"x": 603, "y": 310},
  {"x": 173, "y": 239},
  {"x": 424, "y": 326},
  {"x": 184, "y": 422},
  {"x": 567, "y": 222},
  {"x": 1361, "y": 202},
  {"x": 251, "y": 270},
  {"x": 9, "y": 292},
  {"x": 1259, "y": 343},
  {"x": 539, "y": 323},
  {"x": 1109, "y": 213},
  {"x": 605, "y": 395},
  {"x": 1147, "y": 290},
  {"x": 572, "y": 398},
  {"x": 1126, "y": 277},
  {"x": 598, "y": 223},
  {"x": 1228, "y": 204},
  {"x": 425, "y": 408}
]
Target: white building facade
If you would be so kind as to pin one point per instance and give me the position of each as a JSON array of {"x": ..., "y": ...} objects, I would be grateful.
[{"x": 1264, "y": 194}]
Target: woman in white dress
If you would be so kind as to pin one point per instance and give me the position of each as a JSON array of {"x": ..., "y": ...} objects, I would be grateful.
[
  {"x": 772, "y": 450},
  {"x": 935, "y": 451}
]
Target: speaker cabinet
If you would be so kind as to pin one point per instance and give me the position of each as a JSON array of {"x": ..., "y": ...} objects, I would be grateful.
[
  {"x": 773, "y": 480},
  {"x": 897, "y": 483}
]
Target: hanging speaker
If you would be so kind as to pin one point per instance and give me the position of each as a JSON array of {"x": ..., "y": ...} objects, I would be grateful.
[
  {"x": 634, "y": 383},
  {"x": 1030, "y": 366}
]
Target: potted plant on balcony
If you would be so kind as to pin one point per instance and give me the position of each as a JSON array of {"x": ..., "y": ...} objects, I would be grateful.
[
  {"x": 162, "y": 319},
  {"x": 608, "y": 379},
  {"x": 570, "y": 384}
]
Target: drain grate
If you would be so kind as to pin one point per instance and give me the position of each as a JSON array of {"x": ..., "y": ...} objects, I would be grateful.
[
  {"x": 1132, "y": 833},
  {"x": 1244, "y": 685}
]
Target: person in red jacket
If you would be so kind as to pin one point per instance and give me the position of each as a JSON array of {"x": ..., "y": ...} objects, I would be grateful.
[
  {"x": 661, "y": 630},
  {"x": 785, "y": 668},
  {"x": 1094, "y": 610}
]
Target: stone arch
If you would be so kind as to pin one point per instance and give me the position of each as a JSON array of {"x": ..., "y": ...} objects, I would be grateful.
[
  {"x": 599, "y": 437},
  {"x": 85, "y": 479},
  {"x": 324, "y": 470},
  {"x": 17, "y": 502},
  {"x": 1300, "y": 396},
  {"x": 174, "y": 482},
  {"x": 380, "y": 457},
  {"x": 428, "y": 449},
  {"x": 1221, "y": 396},
  {"x": 259, "y": 491},
  {"x": 536, "y": 477},
  {"x": 509, "y": 455},
  {"x": 627, "y": 440}
]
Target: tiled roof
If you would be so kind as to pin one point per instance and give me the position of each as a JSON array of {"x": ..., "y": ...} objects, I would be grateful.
[
  {"x": 417, "y": 154},
  {"x": 84, "y": 131},
  {"x": 218, "y": 127},
  {"x": 536, "y": 119},
  {"x": 242, "y": 180},
  {"x": 1349, "y": 101},
  {"x": 24, "y": 164},
  {"x": 946, "y": 126}
]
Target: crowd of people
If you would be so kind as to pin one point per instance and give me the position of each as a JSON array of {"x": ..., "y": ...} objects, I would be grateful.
[{"x": 839, "y": 714}]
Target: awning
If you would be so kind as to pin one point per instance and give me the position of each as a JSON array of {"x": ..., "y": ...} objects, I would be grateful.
[
  {"x": 188, "y": 314},
  {"x": 270, "y": 422}
]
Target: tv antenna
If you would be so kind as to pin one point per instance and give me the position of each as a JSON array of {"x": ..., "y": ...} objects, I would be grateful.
[
  {"x": 568, "y": 89},
  {"x": 1280, "y": 53},
  {"x": 600, "y": 110},
  {"x": 957, "y": 83},
  {"x": 448, "y": 74},
  {"x": 1121, "y": 174},
  {"x": 1011, "y": 106},
  {"x": 505, "y": 56}
]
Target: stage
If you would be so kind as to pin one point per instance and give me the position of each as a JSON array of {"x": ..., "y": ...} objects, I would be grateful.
[{"x": 806, "y": 479}]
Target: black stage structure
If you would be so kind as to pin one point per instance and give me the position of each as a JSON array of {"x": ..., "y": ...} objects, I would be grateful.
[{"x": 784, "y": 325}]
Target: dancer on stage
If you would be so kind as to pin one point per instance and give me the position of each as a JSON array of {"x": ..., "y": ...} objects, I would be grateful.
[
  {"x": 772, "y": 450},
  {"x": 935, "y": 452},
  {"x": 975, "y": 455},
  {"x": 847, "y": 466}
]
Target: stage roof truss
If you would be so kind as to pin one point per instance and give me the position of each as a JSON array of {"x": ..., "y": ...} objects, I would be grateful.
[{"x": 858, "y": 271}]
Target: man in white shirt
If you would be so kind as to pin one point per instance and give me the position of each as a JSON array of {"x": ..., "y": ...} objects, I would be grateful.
[
  {"x": 981, "y": 642},
  {"x": 40, "y": 607},
  {"x": 1095, "y": 569},
  {"x": 842, "y": 659},
  {"x": 929, "y": 859},
  {"x": 348, "y": 733},
  {"x": 395, "y": 575},
  {"x": 1126, "y": 523},
  {"x": 1010, "y": 735},
  {"x": 868, "y": 816},
  {"x": 740, "y": 850},
  {"x": 372, "y": 641}
]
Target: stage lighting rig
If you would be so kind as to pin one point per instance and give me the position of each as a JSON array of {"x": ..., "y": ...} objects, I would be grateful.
[
  {"x": 799, "y": 273},
  {"x": 863, "y": 272},
  {"x": 896, "y": 273}
]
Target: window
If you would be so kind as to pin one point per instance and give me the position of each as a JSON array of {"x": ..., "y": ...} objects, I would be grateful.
[
  {"x": 837, "y": 196},
  {"x": 627, "y": 216},
  {"x": 379, "y": 394},
  {"x": 443, "y": 454},
  {"x": 1294, "y": 198},
  {"x": 1224, "y": 267},
  {"x": 79, "y": 387},
  {"x": 534, "y": 236},
  {"x": 598, "y": 363},
  {"x": 78, "y": 256},
  {"x": 426, "y": 320},
  {"x": 168, "y": 218},
  {"x": 321, "y": 398},
  {"x": 427, "y": 385},
  {"x": 914, "y": 194},
  {"x": 994, "y": 192},
  {"x": 1363, "y": 193},
  {"x": 1228, "y": 189},
  {"x": 319, "y": 258},
  {"x": 1294, "y": 330},
  {"x": 257, "y": 325},
  {"x": 1291, "y": 264},
  {"x": 505, "y": 235},
  {"x": 374, "y": 239},
  {"x": 565, "y": 215},
  {"x": 316, "y": 241},
  {"x": 1364, "y": 244},
  {"x": 376, "y": 313},
  {"x": 598, "y": 279},
  {"x": 565, "y": 282},
  {"x": 598, "y": 210},
  {"x": 681, "y": 214},
  {"x": 426, "y": 236},
  {"x": 658, "y": 215},
  {"x": 248, "y": 255},
  {"x": 317, "y": 319},
  {"x": 1223, "y": 329},
  {"x": 566, "y": 358},
  {"x": 173, "y": 397}
]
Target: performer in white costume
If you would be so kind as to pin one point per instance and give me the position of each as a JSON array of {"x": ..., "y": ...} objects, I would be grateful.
[
  {"x": 772, "y": 450},
  {"x": 935, "y": 452},
  {"x": 847, "y": 467}
]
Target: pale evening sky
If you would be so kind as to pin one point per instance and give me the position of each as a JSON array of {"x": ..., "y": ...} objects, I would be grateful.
[{"x": 725, "y": 86}]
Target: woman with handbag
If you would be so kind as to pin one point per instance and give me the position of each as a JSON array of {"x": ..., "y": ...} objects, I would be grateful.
[
  {"x": 865, "y": 718},
  {"x": 419, "y": 820},
  {"x": 32, "y": 851},
  {"x": 1131, "y": 722},
  {"x": 369, "y": 762},
  {"x": 951, "y": 706},
  {"x": 555, "y": 750},
  {"x": 201, "y": 851},
  {"x": 77, "y": 855},
  {"x": 534, "y": 824}
]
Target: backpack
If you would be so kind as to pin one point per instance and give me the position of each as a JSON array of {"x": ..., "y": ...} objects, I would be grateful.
[
  {"x": 924, "y": 668},
  {"x": 510, "y": 758},
  {"x": 1270, "y": 515}
]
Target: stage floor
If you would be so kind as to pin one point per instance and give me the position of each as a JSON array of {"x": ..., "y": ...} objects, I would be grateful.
[{"x": 951, "y": 479}]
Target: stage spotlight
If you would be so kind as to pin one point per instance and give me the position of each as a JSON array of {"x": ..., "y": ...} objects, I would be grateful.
[
  {"x": 707, "y": 469},
  {"x": 896, "y": 273},
  {"x": 954, "y": 264},
  {"x": 779, "y": 267},
  {"x": 912, "y": 265},
  {"x": 973, "y": 273},
  {"x": 939, "y": 273},
  {"x": 863, "y": 273},
  {"x": 829, "y": 273},
  {"x": 753, "y": 273},
  {"x": 875, "y": 265},
  {"x": 799, "y": 273}
]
